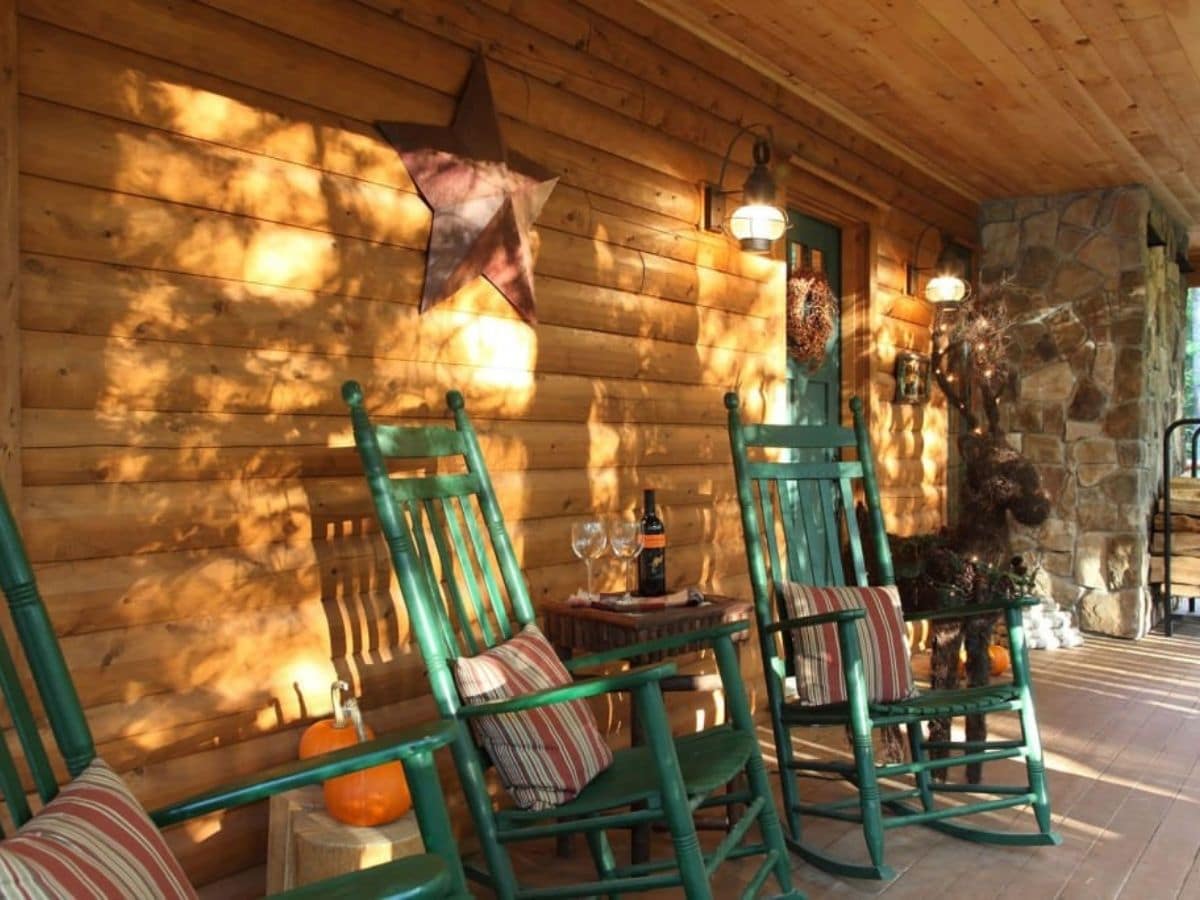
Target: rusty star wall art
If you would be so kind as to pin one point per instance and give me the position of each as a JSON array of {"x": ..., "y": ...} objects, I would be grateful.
[{"x": 484, "y": 199}]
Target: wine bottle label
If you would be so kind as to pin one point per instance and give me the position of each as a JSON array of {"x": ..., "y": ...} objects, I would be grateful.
[
  {"x": 654, "y": 541},
  {"x": 652, "y": 572}
]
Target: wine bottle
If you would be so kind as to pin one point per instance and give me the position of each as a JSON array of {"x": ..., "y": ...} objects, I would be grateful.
[{"x": 652, "y": 564}]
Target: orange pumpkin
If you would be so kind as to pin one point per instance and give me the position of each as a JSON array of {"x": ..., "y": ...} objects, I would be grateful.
[
  {"x": 372, "y": 796},
  {"x": 998, "y": 660}
]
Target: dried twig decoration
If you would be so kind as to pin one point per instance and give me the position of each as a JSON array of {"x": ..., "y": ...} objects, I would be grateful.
[
  {"x": 970, "y": 357},
  {"x": 810, "y": 312}
]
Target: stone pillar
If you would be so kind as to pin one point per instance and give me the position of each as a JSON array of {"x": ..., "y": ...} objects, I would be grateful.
[{"x": 1097, "y": 317}]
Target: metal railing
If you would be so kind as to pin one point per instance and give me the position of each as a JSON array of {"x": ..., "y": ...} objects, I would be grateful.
[{"x": 1169, "y": 614}]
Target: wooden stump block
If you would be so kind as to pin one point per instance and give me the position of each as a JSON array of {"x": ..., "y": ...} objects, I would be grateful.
[{"x": 306, "y": 844}]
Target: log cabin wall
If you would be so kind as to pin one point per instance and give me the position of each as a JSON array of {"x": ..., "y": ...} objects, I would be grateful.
[{"x": 213, "y": 238}]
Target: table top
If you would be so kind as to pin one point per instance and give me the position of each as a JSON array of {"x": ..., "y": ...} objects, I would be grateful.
[
  {"x": 728, "y": 608},
  {"x": 570, "y": 627}
]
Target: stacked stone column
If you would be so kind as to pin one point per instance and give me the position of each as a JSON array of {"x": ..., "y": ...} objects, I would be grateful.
[{"x": 1097, "y": 336}]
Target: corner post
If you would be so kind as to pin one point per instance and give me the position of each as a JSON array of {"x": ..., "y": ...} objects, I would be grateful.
[{"x": 10, "y": 334}]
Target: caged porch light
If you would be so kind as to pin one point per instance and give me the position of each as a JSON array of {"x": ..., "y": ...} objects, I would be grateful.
[
  {"x": 757, "y": 222},
  {"x": 949, "y": 285}
]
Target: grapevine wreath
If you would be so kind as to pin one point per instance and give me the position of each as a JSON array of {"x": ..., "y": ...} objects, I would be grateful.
[{"x": 810, "y": 307}]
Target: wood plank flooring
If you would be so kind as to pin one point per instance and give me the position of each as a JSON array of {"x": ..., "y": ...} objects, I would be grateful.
[{"x": 1121, "y": 728}]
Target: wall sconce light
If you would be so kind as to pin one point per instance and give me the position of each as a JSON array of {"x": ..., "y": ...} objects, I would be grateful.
[
  {"x": 757, "y": 222},
  {"x": 949, "y": 285}
]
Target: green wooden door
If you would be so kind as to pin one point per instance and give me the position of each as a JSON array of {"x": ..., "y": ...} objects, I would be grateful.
[{"x": 814, "y": 397}]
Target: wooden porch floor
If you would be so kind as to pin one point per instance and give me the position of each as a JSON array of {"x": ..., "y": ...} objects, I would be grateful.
[{"x": 1121, "y": 727}]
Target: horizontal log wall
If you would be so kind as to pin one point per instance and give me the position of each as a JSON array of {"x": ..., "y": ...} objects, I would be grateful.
[
  {"x": 213, "y": 238},
  {"x": 910, "y": 438}
]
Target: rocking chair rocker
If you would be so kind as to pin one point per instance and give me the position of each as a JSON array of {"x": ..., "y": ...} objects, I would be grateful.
[
  {"x": 456, "y": 567},
  {"x": 810, "y": 506}
]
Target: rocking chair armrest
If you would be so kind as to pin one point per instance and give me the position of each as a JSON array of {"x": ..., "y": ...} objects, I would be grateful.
[
  {"x": 970, "y": 612},
  {"x": 837, "y": 615},
  {"x": 701, "y": 636},
  {"x": 578, "y": 690},
  {"x": 401, "y": 745}
]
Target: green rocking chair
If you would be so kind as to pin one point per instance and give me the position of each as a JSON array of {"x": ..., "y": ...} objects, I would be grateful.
[
  {"x": 799, "y": 523},
  {"x": 435, "y": 874},
  {"x": 466, "y": 595}
]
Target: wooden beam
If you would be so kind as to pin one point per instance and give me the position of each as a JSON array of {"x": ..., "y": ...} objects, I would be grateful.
[{"x": 10, "y": 336}]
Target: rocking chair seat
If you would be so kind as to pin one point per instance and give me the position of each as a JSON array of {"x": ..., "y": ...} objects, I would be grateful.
[
  {"x": 923, "y": 705},
  {"x": 708, "y": 760}
]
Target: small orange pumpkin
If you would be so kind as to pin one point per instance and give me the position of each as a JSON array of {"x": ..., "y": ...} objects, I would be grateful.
[
  {"x": 372, "y": 796},
  {"x": 998, "y": 660}
]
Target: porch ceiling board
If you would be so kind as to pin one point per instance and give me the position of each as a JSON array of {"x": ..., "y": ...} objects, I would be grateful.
[{"x": 992, "y": 97}]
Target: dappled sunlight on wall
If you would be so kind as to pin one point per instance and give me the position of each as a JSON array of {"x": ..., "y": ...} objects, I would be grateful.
[
  {"x": 688, "y": 466},
  {"x": 214, "y": 239},
  {"x": 331, "y": 145},
  {"x": 283, "y": 258},
  {"x": 200, "y": 280}
]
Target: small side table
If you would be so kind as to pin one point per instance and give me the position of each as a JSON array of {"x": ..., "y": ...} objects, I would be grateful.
[
  {"x": 305, "y": 844},
  {"x": 570, "y": 628}
]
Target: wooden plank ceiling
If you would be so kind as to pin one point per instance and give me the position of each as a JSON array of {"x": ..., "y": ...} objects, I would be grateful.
[{"x": 997, "y": 98}]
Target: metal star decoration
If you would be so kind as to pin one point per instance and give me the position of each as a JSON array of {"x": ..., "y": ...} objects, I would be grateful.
[{"x": 484, "y": 199}]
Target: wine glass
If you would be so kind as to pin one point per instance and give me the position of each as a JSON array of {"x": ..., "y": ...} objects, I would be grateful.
[
  {"x": 625, "y": 538},
  {"x": 588, "y": 540}
]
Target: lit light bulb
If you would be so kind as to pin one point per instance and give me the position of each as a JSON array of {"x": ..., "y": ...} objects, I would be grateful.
[
  {"x": 946, "y": 289},
  {"x": 756, "y": 225}
]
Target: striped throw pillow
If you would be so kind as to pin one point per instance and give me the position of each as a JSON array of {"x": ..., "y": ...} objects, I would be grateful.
[
  {"x": 91, "y": 841},
  {"x": 544, "y": 756},
  {"x": 881, "y": 638}
]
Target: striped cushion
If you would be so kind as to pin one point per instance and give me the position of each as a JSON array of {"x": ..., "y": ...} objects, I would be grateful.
[
  {"x": 91, "y": 841},
  {"x": 881, "y": 637},
  {"x": 544, "y": 756}
]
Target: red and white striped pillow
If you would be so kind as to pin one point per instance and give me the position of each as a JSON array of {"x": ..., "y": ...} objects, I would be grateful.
[
  {"x": 544, "y": 756},
  {"x": 91, "y": 841},
  {"x": 881, "y": 637}
]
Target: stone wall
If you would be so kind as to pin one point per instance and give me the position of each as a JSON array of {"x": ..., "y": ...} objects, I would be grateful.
[{"x": 1097, "y": 341}]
